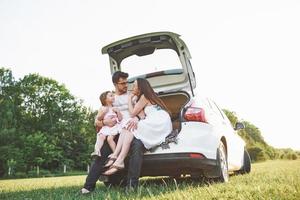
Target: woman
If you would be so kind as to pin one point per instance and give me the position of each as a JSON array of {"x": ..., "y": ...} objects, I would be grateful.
[{"x": 151, "y": 130}]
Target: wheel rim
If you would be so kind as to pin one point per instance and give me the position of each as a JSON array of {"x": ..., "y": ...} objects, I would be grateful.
[{"x": 223, "y": 163}]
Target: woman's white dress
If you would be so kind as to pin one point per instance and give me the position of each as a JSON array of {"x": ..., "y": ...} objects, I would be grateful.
[{"x": 153, "y": 130}]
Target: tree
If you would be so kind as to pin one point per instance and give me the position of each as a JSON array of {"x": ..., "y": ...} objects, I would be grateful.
[
  {"x": 48, "y": 107},
  {"x": 258, "y": 149},
  {"x": 39, "y": 152},
  {"x": 9, "y": 139},
  {"x": 42, "y": 124},
  {"x": 231, "y": 116}
]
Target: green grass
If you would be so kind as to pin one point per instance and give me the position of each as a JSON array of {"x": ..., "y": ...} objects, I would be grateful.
[{"x": 268, "y": 180}]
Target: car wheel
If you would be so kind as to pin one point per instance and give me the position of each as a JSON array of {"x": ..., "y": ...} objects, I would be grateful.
[
  {"x": 246, "y": 163},
  {"x": 222, "y": 163}
]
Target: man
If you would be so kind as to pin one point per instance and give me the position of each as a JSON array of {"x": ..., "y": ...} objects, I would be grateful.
[{"x": 136, "y": 153}]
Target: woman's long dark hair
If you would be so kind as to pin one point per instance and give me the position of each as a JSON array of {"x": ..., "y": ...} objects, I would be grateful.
[{"x": 146, "y": 90}]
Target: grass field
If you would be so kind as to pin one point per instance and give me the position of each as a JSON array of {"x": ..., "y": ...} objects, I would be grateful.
[{"x": 268, "y": 180}]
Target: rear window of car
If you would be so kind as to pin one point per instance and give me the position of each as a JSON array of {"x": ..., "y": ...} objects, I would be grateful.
[{"x": 160, "y": 60}]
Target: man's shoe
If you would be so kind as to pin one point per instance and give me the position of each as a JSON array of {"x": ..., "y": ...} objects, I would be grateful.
[{"x": 84, "y": 191}]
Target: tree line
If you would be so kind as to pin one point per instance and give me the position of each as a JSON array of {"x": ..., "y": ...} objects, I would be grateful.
[
  {"x": 43, "y": 126},
  {"x": 258, "y": 149}
]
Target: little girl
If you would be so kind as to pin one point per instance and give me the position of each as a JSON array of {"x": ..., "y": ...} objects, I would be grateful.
[{"x": 107, "y": 98}]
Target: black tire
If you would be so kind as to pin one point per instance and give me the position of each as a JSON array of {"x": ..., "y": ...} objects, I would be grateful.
[
  {"x": 222, "y": 164},
  {"x": 246, "y": 163}
]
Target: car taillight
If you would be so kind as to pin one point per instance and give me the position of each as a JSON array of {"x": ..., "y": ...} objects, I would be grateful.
[
  {"x": 196, "y": 155},
  {"x": 195, "y": 114}
]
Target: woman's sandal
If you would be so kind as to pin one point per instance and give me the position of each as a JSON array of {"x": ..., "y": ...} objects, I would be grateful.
[
  {"x": 110, "y": 161},
  {"x": 113, "y": 169}
]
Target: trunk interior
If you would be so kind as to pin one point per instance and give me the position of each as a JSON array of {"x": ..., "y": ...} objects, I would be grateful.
[{"x": 175, "y": 103}]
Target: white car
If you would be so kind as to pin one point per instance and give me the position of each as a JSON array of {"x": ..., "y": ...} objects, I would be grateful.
[{"x": 206, "y": 143}]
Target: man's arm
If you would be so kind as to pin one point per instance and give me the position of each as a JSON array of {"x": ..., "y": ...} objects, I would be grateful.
[
  {"x": 100, "y": 121},
  {"x": 99, "y": 118},
  {"x": 119, "y": 114}
]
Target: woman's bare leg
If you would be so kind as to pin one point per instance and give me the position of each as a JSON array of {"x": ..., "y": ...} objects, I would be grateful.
[
  {"x": 114, "y": 155},
  {"x": 128, "y": 137},
  {"x": 119, "y": 163}
]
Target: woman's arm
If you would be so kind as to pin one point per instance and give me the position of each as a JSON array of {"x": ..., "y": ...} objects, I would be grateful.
[
  {"x": 142, "y": 114},
  {"x": 139, "y": 106}
]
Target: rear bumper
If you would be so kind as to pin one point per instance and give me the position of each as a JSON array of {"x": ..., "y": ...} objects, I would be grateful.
[{"x": 174, "y": 164}]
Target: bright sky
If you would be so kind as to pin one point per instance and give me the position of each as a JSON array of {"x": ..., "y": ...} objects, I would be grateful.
[{"x": 245, "y": 54}]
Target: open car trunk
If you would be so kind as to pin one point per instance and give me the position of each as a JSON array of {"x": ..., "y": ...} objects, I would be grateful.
[
  {"x": 175, "y": 102},
  {"x": 161, "y": 57}
]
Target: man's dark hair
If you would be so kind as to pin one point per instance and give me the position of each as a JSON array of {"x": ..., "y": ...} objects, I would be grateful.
[{"x": 117, "y": 75}]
